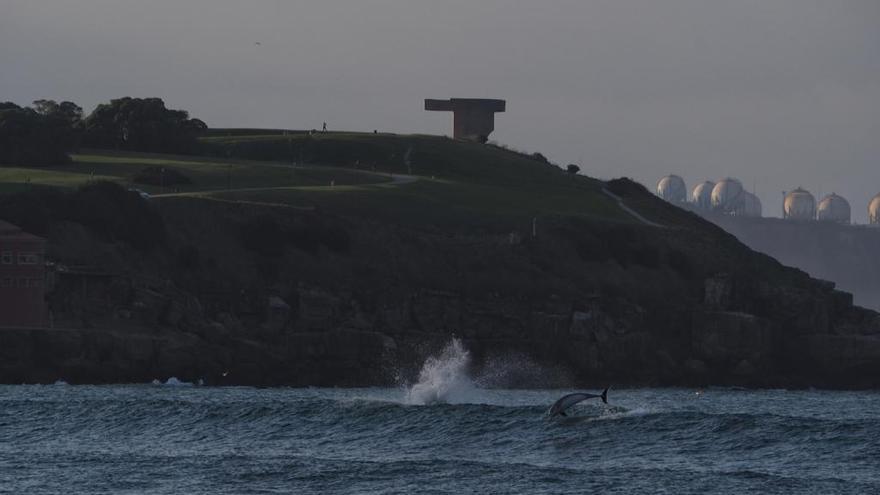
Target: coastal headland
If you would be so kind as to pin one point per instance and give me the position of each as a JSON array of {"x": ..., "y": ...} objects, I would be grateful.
[{"x": 274, "y": 257}]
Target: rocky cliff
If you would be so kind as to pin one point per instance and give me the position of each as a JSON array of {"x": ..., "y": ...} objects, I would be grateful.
[
  {"x": 351, "y": 290},
  {"x": 846, "y": 254}
]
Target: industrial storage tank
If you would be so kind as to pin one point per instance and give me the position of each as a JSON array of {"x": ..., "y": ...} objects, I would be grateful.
[
  {"x": 672, "y": 189},
  {"x": 701, "y": 196},
  {"x": 799, "y": 205},
  {"x": 834, "y": 208},
  {"x": 727, "y": 196},
  {"x": 874, "y": 211},
  {"x": 751, "y": 205}
]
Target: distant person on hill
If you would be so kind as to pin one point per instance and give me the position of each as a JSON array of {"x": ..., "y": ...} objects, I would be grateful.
[{"x": 325, "y": 127}]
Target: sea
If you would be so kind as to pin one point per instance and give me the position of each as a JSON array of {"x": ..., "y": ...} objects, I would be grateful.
[{"x": 443, "y": 433}]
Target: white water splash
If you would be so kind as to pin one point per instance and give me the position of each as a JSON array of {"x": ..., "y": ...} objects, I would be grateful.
[
  {"x": 172, "y": 382},
  {"x": 444, "y": 378}
]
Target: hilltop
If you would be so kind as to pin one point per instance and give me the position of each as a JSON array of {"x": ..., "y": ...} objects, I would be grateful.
[{"x": 342, "y": 258}]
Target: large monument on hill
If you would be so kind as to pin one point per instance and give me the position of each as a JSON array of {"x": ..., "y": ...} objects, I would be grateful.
[{"x": 473, "y": 118}]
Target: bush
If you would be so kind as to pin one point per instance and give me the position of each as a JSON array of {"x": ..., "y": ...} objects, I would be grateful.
[
  {"x": 106, "y": 208},
  {"x": 625, "y": 186},
  {"x": 33, "y": 210},
  {"x": 541, "y": 158},
  {"x": 117, "y": 214}
]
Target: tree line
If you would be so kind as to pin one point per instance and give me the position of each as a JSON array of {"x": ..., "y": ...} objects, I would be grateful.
[{"x": 46, "y": 132}]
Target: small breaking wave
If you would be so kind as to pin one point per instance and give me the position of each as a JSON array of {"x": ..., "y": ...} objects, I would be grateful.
[
  {"x": 594, "y": 413},
  {"x": 617, "y": 412},
  {"x": 172, "y": 382}
]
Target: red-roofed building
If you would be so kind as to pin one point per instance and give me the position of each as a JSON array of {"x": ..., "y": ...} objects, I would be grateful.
[{"x": 22, "y": 278}]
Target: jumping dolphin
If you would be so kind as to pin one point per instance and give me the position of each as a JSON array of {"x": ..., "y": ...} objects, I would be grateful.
[{"x": 571, "y": 399}]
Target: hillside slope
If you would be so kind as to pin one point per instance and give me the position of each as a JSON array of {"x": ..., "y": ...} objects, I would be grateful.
[{"x": 354, "y": 284}]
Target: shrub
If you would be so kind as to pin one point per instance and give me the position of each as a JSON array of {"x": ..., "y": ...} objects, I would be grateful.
[
  {"x": 625, "y": 186},
  {"x": 117, "y": 214},
  {"x": 541, "y": 158},
  {"x": 106, "y": 208},
  {"x": 32, "y": 210}
]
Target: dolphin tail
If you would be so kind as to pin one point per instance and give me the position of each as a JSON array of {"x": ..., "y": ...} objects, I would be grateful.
[{"x": 604, "y": 395}]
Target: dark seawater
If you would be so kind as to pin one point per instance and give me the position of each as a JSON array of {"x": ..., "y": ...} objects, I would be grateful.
[{"x": 198, "y": 440}]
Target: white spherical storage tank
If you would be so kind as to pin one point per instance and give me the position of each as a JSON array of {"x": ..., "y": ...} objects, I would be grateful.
[
  {"x": 799, "y": 205},
  {"x": 701, "y": 196},
  {"x": 752, "y": 205},
  {"x": 874, "y": 211},
  {"x": 727, "y": 196},
  {"x": 834, "y": 208},
  {"x": 672, "y": 189}
]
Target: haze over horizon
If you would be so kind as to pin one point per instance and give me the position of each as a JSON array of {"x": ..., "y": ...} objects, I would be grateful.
[{"x": 778, "y": 93}]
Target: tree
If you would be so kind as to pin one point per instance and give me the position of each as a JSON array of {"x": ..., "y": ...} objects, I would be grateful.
[
  {"x": 142, "y": 124},
  {"x": 37, "y": 136},
  {"x": 64, "y": 119},
  {"x": 572, "y": 169},
  {"x": 66, "y": 111}
]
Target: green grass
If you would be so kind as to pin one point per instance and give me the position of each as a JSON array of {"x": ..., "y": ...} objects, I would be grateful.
[
  {"x": 429, "y": 155},
  {"x": 440, "y": 203},
  {"x": 461, "y": 180},
  {"x": 461, "y": 183},
  {"x": 206, "y": 173}
]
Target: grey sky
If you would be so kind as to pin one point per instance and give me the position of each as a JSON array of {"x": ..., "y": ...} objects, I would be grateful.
[{"x": 778, "y": 93}]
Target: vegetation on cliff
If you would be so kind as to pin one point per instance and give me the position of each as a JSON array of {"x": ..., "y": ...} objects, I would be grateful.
[
  {"x": 335, "y": 258},
  {"x": 46, "y": 133},
  {"x": 141, "y": 124},
  {"x": 41, "y": 135}
]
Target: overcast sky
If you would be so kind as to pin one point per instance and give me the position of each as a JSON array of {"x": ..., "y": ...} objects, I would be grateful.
[{"x": 779, "y": 93}]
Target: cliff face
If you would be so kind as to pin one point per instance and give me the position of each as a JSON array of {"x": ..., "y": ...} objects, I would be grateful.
[
  {"x": 846, "y": 254},
  {"x": 336, "y": 295},
  {"x": 355, "y": 285}
]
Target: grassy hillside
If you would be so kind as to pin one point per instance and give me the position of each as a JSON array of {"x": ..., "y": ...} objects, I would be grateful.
[
  {"x": 427, "y": 183},
  {"x": 446, "y": 182},
  {"x": 458, "y": 179},
  {"x": 418, "y": 238},
  {"x": 428, "y": 155},
  {"x": 207, "y": 174},
  {"x": 470, "y": 187}
]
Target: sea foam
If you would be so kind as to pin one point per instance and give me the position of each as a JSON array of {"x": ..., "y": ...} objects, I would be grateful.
[
  {"x": 444, "y": 378},
  {"x": 173, "y": 382}
]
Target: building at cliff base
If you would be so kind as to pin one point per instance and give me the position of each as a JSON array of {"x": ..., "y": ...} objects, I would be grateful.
[{"x": 22, "y": 278}]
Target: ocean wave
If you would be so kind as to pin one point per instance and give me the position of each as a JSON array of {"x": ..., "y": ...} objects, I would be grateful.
[{"x": 172, "y": 382}]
